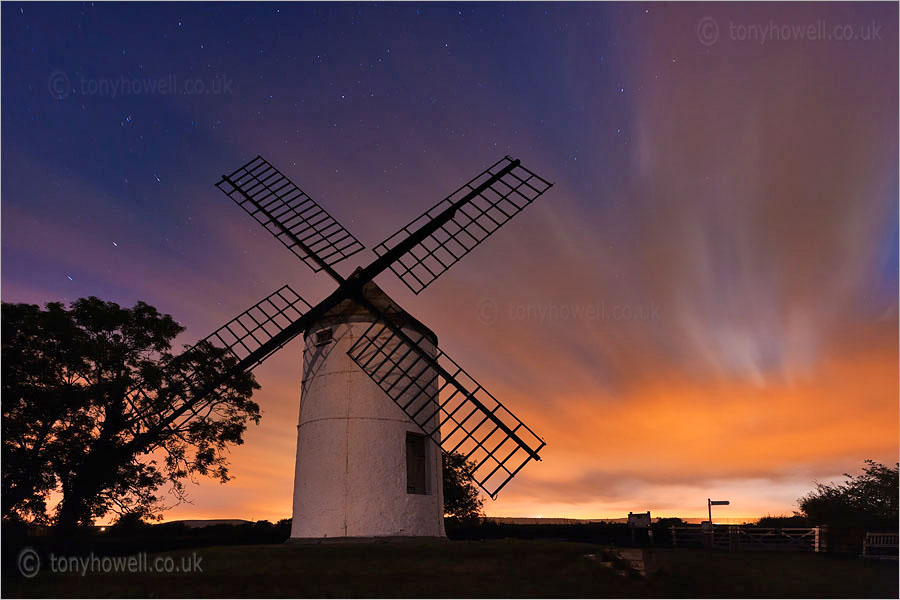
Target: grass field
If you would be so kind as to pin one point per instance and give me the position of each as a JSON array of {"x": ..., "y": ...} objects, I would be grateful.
[{"x": 500, "y": 568}]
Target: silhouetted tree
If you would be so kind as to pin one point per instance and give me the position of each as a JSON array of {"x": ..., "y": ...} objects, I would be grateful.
[
  {"x": 37, "y": 387},
  {"x": 670, "y": 522},
  {"x": 781, "y": 521},
  {"x": 461, "y": 498},
  {"x": 129, "y": 523},
  {"x": 863, "y": 501},
  {"x": 73, "y": 424}
]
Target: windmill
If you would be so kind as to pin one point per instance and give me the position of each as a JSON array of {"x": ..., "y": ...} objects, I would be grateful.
[{"x": 379, "y": 399}]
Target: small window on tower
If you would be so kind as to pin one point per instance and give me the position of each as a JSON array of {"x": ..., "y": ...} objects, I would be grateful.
[
  {"x": 416, "y": 467},
  {"x": 324, "y": 337}
]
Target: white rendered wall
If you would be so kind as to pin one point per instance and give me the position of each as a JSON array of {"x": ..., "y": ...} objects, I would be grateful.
[{"x": 350, "y": 477}]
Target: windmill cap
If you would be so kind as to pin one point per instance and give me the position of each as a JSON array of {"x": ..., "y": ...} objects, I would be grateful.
[{"x": 349, "y": 311}]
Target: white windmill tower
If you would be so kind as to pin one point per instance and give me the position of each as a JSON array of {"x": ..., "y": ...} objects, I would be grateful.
[
  {"x": 364, "y": 468},
  {"x": 379, "y": 397}
]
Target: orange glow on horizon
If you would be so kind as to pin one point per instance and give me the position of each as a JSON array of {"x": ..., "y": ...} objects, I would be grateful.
[{"x": 761, "y": 446}]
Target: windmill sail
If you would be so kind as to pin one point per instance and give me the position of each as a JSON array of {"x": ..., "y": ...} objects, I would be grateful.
[
  {"x": 246, "y": 333},
  {"x": 447, "y": 403},
  {"x": 295, "y": 219},
  {"x": 233, "y": 347},
  {"x": 513, "y": 188}
]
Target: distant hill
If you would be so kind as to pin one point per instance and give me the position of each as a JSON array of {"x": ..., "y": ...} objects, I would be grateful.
[{"x": 198, "y": 523}]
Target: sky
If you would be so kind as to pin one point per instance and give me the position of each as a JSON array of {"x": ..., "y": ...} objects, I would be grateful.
[{"x": 704, "y": 304}]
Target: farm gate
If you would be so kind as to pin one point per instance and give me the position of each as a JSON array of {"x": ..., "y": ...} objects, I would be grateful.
[{"x": 737, "y": 537}]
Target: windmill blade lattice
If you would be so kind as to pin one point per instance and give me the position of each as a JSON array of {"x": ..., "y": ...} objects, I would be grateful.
[
  {"x": 247, "y": 332},
  {"x": 475, "y": 220},
  {"x": 448, "y": 404},
  {"x": 295, "y": 219},
  {"x": 232, "y": 345}
]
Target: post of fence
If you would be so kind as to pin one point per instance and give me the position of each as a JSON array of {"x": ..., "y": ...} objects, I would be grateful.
[{"x": 674, "y": 537}]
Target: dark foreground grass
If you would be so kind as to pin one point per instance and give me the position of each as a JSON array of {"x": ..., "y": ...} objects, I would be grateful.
[
  {"x": 499, "y": 568},
  {"x": 717, "y": 574}
]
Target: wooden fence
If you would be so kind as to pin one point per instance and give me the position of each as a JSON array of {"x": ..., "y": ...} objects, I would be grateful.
[
  {"x": 880, "y": 545},
  {"x": 735, "y": 537}
]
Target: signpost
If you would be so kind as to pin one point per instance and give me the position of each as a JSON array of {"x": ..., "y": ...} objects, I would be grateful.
[{"x": 711, "y": 503}]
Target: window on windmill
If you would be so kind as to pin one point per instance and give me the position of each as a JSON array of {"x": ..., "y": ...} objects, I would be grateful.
[
  {"x": 416, "y": 466},
  {"x": 324, "y": 337}
]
